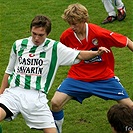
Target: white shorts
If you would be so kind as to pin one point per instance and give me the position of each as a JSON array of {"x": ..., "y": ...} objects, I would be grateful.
[{"x": 32, "y": 104}]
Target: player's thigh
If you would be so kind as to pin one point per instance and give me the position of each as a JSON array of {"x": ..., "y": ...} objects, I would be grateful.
[
  {"x": 50, "y": 130},
  {"x": 60, "y": 99},
  {"x": 126, "y": 101}
]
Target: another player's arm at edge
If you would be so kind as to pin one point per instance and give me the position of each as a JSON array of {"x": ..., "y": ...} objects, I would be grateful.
[
  {"x": 130, "y": 44},
  {"x": 4, "y": 84},
  {"x": 86, "y": 55}
]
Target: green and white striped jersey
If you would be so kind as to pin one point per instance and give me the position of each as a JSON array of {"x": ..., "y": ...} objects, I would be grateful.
[{"x": 34, "y": 67}]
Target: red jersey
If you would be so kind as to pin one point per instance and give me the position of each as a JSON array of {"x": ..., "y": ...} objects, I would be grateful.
[{"x": 99, "y": 67}]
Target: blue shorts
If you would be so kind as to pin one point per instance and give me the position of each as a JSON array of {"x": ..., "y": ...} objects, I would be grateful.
[{"x": 110, "y": 89}]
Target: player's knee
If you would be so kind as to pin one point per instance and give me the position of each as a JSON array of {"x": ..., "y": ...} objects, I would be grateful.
[
  {"x": 2, "y": 114},
  {"x": 55, "y": 106},
  {"x": 50, "y": 130}
]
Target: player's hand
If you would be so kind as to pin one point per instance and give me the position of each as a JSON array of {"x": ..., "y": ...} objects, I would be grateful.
[{"x": 101, "y": 50}]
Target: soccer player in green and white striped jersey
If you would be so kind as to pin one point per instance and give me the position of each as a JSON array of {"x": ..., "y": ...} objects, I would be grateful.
[{"x": 30, "y": 73}]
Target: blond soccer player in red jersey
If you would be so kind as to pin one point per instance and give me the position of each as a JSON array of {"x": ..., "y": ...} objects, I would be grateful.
[{"x": 94, "y": 76}]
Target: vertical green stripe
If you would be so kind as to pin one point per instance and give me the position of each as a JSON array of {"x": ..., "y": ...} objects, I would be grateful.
[
  {"x": 14, "y": 48},
  {"x": 11, "y": 77},
  {"x": 17, "y": 80},
  {"x": 23, "y": 46},
  {"x": 42, "y": 54},
  {"x": 33, "y": 49},
  {"x": 47, "y": 42},
  {"x": 52, "y": 67},
  {"x": 27, "y": 82},
  {"x": 38, "y": 83}
]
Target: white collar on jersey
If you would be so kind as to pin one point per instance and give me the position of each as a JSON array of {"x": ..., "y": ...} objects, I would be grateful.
[{"x": 87, "y": 30}]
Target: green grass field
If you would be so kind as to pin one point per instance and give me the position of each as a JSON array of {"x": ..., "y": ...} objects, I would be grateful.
[{"x": 90, "y": 117}]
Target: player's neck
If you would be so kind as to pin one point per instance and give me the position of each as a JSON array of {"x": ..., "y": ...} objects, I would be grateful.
[{"x": 82, "y": 34}]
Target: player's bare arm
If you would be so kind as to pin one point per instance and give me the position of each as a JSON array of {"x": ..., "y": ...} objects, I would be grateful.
[
  {"x": 85, "y": 55},
  {"x": 130, "y": 44},
  {"x": 4, "y": 84}
]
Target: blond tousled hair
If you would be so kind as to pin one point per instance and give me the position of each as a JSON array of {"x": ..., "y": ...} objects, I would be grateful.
[{"x": 75, "y": 13}]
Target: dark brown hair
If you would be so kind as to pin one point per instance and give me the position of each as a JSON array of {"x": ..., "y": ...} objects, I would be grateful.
[
  {"x": 120, "y": 117},
  {"x": 41, "y": 21}
]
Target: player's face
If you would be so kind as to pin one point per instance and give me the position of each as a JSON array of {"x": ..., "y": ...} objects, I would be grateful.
[
  {"x": 38, "y": 35},
  {"x": 77, "y": 27}
]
